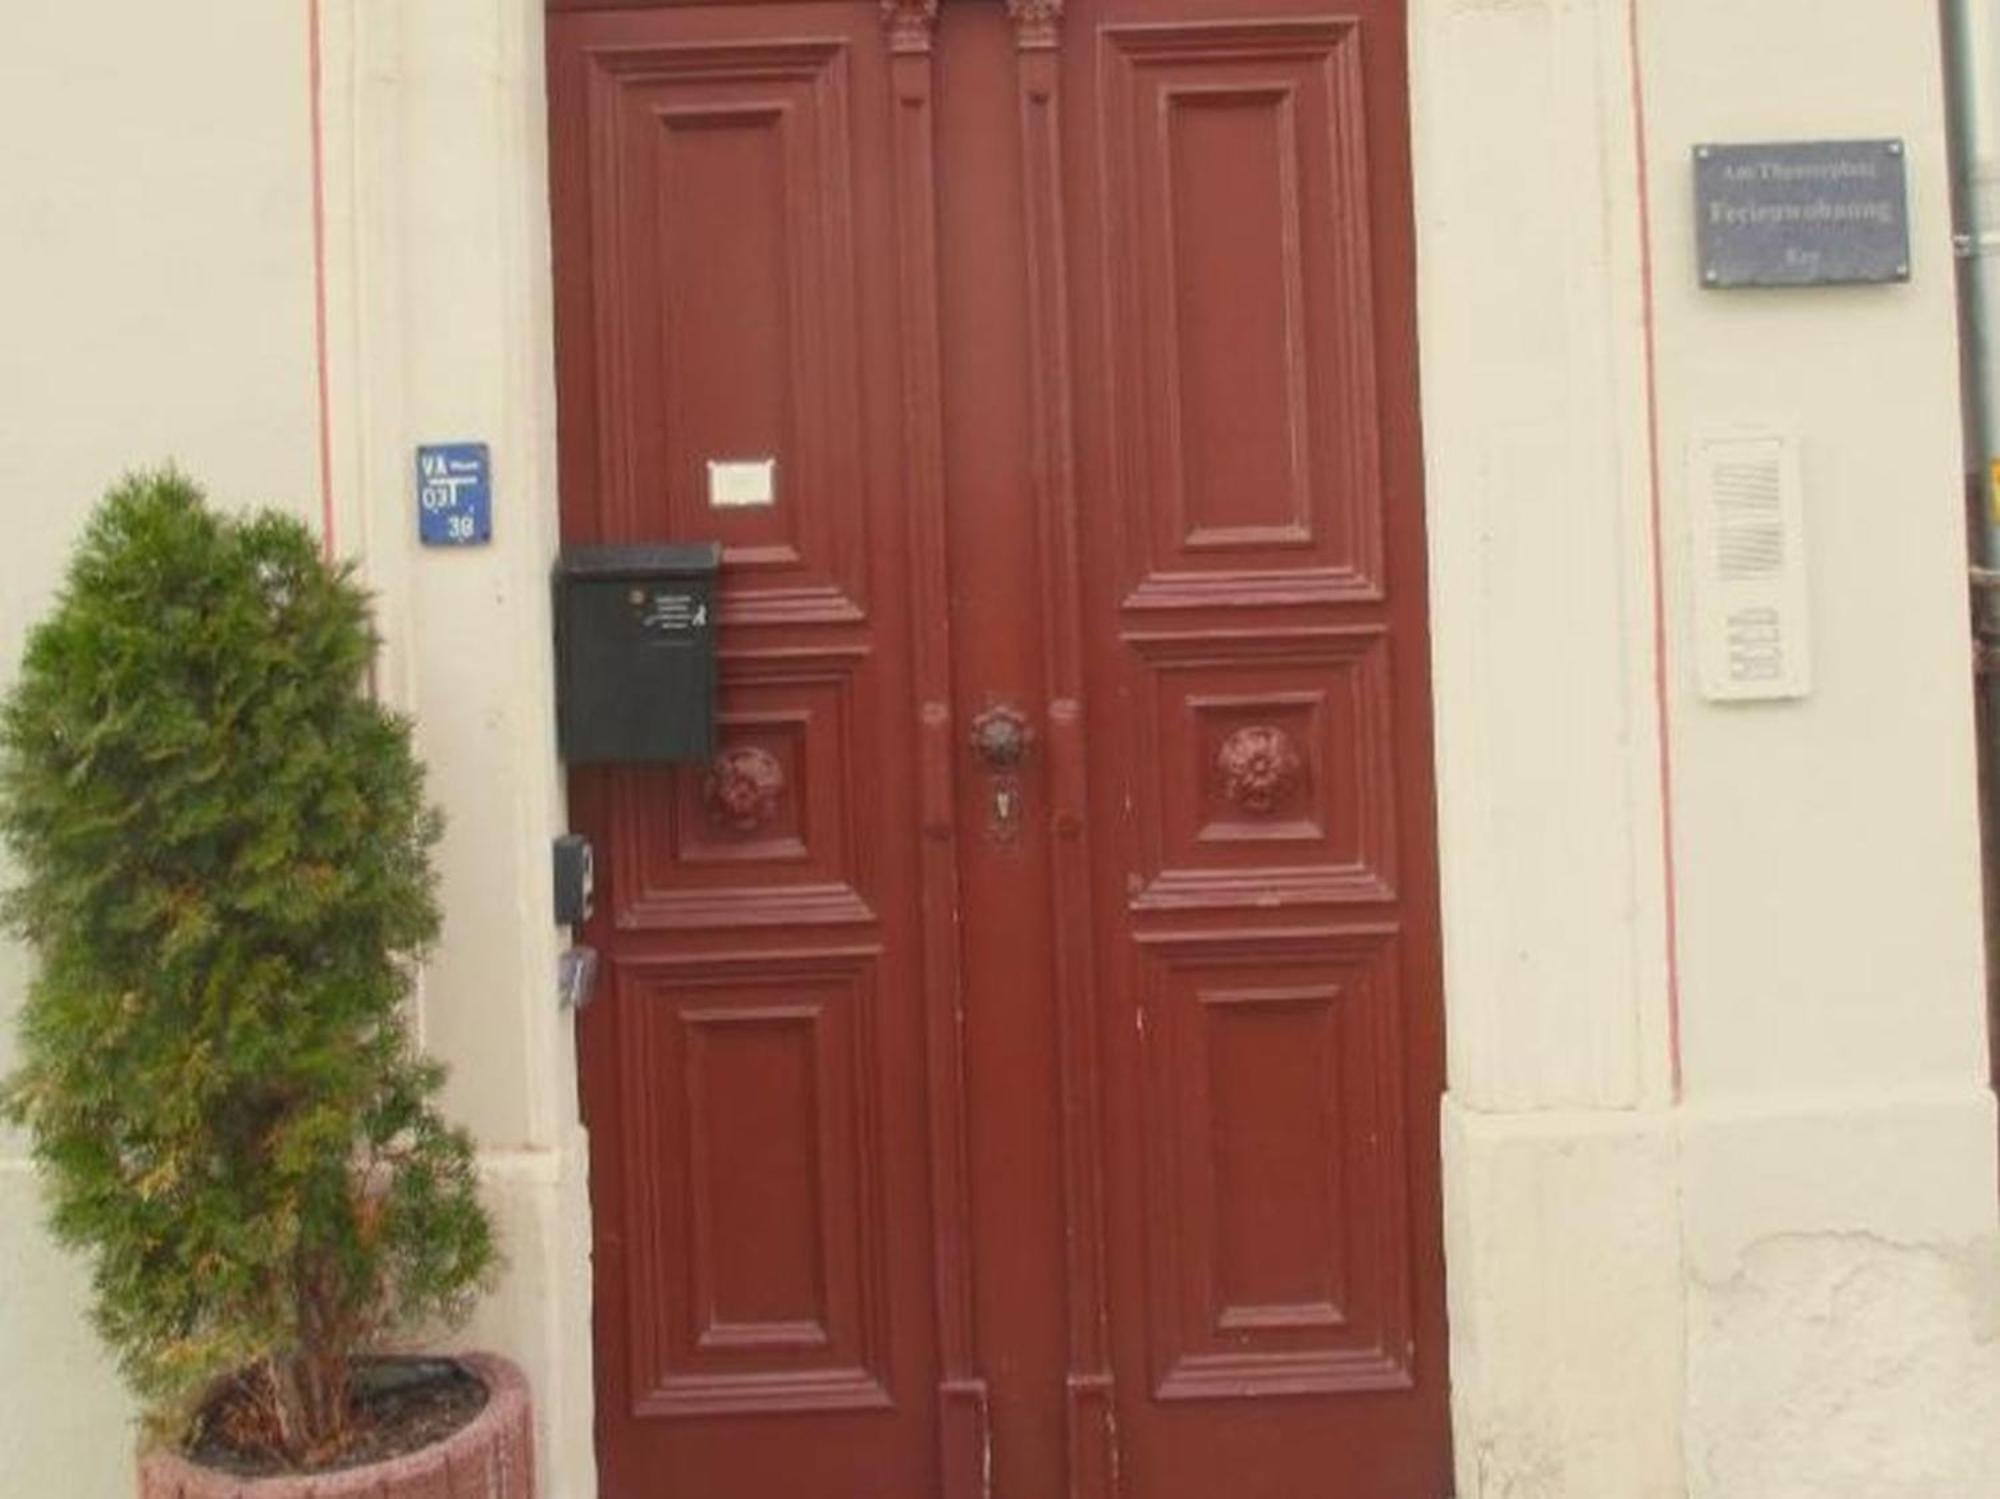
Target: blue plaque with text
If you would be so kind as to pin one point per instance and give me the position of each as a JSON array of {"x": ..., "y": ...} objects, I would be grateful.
[{"x": 454, "y": 495}]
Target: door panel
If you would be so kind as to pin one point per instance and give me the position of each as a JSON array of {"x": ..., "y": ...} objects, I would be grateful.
[
  {"x": 1234, "y": 221},
  {"x": 756, "y": 1070},
  {"x": 1020, "y": 1056},
  {"x": 1243, "y": 320},
  {"x": 755, "y": 1129},
  {"x": 1276, "y": 1252},
  {"x": 724, "y": 223}
]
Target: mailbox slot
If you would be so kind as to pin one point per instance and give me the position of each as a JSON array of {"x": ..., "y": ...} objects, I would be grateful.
[{"x": 635, "y": 653}]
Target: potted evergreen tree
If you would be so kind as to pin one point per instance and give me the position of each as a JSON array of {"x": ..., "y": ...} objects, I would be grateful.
[{"x": 223, "y": 866}]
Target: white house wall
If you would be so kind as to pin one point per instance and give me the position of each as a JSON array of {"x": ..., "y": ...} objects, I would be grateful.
[
  {"x": 1838, "y": 1175},
  {"x": 1563, "y": 1253},
  {"x": 1785, "y": 1285},
  {"x": 438, "y": 284},
  {"x": 155, "y": 304}
]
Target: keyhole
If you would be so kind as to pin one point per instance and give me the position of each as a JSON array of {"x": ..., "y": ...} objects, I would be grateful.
[{"x": 1006, "y": 822}]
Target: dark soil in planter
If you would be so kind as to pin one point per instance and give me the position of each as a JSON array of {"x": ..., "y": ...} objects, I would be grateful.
[{"x": 400, "y": 1405}]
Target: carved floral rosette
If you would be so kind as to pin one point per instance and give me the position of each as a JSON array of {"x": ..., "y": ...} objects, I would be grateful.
[
  {"x": 743, "y": 788},
  {"x": 1260, "y": 768}
]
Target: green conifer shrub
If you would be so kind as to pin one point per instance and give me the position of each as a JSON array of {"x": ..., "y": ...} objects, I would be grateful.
[{"x": 223, "y": 860}]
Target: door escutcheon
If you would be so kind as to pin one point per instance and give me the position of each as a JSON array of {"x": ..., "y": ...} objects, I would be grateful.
[{"x": 1001, "y": 739}]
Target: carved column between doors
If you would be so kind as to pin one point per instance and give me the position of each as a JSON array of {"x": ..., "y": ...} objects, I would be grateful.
[
  {"x": 962, "y": 1402},
  {"x": 1093, "y": 1457}
]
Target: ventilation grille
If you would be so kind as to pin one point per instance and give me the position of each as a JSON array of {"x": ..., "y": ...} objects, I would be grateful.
[{"x": 1752, "y": 631}]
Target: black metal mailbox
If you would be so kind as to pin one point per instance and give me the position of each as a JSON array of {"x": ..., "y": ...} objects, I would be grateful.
[{"x": 635, "y": 652}]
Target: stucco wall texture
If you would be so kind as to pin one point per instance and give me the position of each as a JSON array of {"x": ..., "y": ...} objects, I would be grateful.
[
  {"x": 1772, "y": 1274},
  {"x": 1769, "y": 1270},
  {"x": 155, "y": 292}
]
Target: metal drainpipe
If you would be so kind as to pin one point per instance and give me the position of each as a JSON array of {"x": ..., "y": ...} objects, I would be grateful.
[{"x": 1972, "y": 82}]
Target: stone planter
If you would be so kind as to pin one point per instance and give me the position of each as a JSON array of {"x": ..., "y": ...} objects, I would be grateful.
[{"x": 490, "y": 1457}]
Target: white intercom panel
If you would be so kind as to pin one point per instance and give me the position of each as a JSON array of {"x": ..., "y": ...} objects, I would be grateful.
[{"x": 1753, "y": 631}]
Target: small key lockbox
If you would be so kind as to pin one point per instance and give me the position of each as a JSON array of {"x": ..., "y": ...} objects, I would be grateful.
[{"x": 635, "y": 652}]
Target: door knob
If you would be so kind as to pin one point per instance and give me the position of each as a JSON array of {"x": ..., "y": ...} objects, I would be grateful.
[{"x": 1000, "y": 737}]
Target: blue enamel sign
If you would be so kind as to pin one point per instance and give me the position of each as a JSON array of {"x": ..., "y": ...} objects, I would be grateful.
[{"x": 454, "y": 495}]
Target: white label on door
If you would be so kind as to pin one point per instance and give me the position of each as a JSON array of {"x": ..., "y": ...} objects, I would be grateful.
[{"x": 738, "y": 483}]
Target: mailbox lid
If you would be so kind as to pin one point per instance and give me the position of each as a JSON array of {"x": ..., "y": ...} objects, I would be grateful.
[{"x": 695, "y": 559}]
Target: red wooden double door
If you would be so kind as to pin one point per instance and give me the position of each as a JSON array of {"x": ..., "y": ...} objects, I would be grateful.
[{"x": 1016, "y": 1068}]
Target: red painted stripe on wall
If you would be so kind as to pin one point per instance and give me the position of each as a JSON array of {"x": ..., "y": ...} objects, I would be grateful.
[
  {"x": 320, "y": 377},
  {"x": 1661, "y": 703}
]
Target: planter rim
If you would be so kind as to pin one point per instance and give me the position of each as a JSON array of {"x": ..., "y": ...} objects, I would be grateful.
[{"x": 164, "y": 1470}]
